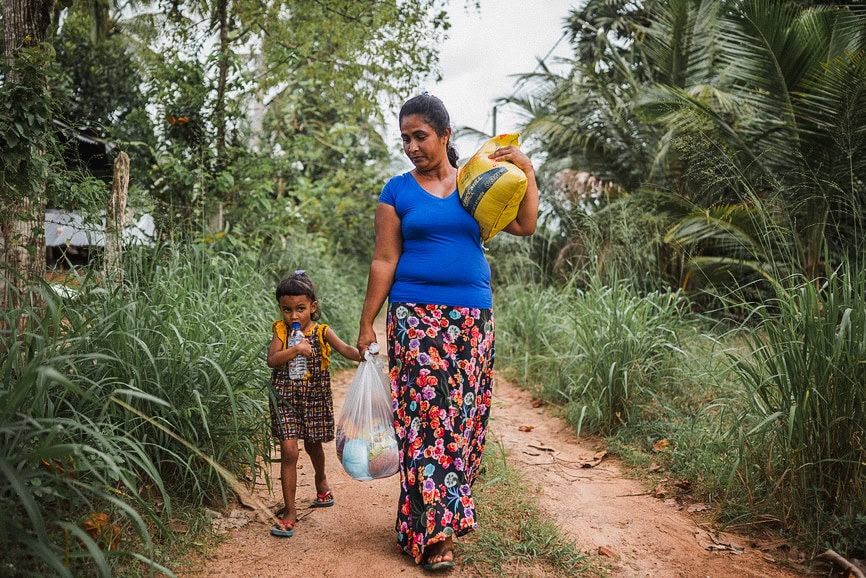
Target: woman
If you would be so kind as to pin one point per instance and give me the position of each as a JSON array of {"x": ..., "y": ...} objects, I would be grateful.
[{"x": 430, "y": 264}]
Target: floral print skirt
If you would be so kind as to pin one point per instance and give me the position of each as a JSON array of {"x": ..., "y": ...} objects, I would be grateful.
[{"x": 441, "y": 370}]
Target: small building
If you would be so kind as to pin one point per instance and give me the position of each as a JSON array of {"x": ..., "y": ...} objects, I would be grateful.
[{"x": 69, "y": 240}]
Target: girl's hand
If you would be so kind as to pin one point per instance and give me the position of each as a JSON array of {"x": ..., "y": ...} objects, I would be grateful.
[
  {"x": 514, "y": 155},
  {"x": 303, "y": 348}
]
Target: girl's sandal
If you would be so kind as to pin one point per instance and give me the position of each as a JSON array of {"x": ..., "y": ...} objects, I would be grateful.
[
  {"x": 283, "y": 529},
  {"x": 324, "y": 500}
]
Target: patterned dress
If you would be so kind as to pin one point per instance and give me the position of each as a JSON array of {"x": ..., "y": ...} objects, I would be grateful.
[
  {"x": 441, "y": 366},
  {"x": 303, "y": 408}
]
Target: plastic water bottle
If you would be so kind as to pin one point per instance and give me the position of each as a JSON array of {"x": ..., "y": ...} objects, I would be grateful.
[{"x": 298, "y": 365}]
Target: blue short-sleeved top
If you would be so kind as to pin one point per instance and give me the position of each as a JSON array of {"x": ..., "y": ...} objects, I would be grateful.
[{"x": 442, "y": 262}]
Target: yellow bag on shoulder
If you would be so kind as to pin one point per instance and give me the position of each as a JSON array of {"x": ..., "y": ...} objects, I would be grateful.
[{"x": 491, "y": 190}]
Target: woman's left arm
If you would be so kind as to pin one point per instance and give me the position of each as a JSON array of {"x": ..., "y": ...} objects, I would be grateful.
[{"x": 527, "y": 213}]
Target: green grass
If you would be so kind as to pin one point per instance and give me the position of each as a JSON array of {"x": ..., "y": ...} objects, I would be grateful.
[
  {"x": 598, "y": 348},
  {"x": 514, "y": 536}
]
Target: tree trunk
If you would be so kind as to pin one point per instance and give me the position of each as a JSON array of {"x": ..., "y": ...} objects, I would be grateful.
[
  {"x": 115, "y": 220},
  {"x": 222, "y": 82},
  {"x": 25, "y": 24}
]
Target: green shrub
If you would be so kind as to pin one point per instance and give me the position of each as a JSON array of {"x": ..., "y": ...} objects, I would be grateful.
[{"x": 598, "y": 348}]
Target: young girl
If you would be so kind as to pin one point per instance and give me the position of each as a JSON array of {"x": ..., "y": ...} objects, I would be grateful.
[{"x": 302, "y": 408}]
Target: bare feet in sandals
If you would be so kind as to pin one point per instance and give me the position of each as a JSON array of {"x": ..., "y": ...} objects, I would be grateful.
[
  {"x": 324, "y": 499},
  {"x": 283, "y": 529},
  {"x": 440, "y": 556}
]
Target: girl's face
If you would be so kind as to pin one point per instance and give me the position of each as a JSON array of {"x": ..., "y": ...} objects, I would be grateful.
[
  {"x": 421, "y": 144},
  {"x": 298, "y": 309}
]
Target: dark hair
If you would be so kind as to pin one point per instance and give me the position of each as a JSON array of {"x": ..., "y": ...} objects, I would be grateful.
[
  {"x": 298, "y": 284},
  {"x": 434, "y": 113}
]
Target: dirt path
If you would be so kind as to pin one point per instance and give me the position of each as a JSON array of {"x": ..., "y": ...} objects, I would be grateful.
[{"x": 598, "y": 507}]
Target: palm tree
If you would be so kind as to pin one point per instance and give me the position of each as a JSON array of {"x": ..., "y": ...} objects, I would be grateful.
[
  {"x": 752, "y": 102},
  {"x": 796, "y": 86}
]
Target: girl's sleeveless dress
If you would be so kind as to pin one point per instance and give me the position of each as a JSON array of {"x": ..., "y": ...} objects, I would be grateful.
[{"x": 303, "y": 408}]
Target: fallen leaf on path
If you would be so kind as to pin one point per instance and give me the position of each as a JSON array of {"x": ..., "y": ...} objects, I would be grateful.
[
  {"x": 605, "y": 551},
  {"x": 698, "y": 508},
  {"x": 541, "y": 447},
  {"x": 526, "y": 428},
  {"x": 537, "y": 403},
  {"x": 655, "y": 468},
  {"x": 711, "y": 542},
  {"x": 733, "y": 549},
  {"x": 99, "y": 527},
  {"x": 660, "y": 490},
  {"x": 594, "y": 460}
]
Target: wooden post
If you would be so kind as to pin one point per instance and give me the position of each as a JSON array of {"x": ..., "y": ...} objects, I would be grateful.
[{"x": 115, "y": 219}]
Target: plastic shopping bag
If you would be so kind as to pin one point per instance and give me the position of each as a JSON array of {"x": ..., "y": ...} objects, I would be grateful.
[{"x": 366, "y": 443}]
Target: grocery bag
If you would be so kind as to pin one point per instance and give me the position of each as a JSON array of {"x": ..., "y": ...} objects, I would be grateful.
[{"x": 366, "y": 443}]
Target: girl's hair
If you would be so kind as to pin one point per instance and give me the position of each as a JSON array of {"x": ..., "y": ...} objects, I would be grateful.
[
  {"x": 434, "y": 113},
  {"x": 298, "y": 284}
]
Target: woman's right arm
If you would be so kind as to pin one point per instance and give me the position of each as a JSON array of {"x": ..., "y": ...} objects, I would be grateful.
[{"x": 389, "y": 245}]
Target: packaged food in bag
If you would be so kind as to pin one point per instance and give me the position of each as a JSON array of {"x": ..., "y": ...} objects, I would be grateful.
[
  {"x": 365, "y": 439},
  {"x": 490, "y": 190}
]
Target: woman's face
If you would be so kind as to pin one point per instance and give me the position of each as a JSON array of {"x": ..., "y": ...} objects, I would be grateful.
[{"x": 421, "y": 144}]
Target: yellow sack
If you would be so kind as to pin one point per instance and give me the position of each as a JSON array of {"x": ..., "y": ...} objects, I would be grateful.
[{"x": 491, "y": 190}]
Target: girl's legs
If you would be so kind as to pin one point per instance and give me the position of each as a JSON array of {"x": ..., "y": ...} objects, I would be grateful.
[
  {"x": 289, "y": 477},
  {"x": 317, "y": 456}
]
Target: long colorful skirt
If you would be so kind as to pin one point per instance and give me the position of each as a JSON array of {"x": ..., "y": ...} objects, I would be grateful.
[{"x": 441, "y": 369}]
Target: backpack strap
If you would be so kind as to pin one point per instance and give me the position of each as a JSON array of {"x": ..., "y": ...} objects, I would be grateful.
[
  {"x": 282, "y": 331},
  {"x": 325, "y": 347}
]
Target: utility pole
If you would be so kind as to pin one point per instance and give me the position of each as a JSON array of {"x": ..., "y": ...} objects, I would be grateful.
[{"x": 494, "y": 120}]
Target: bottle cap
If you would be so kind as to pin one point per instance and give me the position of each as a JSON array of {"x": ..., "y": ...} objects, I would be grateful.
[{"x": 296, "y": 325}]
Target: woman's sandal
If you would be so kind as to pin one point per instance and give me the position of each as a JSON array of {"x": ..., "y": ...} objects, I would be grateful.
[
  {"x": 283, "y": 529},
  {"x": 324, "y": 500},
  {"x": 441, "y": 564}
]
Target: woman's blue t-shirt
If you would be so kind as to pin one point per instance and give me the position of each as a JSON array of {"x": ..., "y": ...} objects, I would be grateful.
[{"x": 442, "y": 262}]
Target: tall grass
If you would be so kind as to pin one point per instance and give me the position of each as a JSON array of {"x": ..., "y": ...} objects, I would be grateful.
[
  {"x": 597, "y": 348},
  {"x": 115, "y": 405},
  {"x": 803, "y": 439},
  {"x": 71, "y": 480}
]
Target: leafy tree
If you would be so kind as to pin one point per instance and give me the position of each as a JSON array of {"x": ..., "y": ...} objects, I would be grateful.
[
  {"x": 290, "y": 84},
  {"x": 25, "y": 127},
  {"x": 100, "y": 90}
]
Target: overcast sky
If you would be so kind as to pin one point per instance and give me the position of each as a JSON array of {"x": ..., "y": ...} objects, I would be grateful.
[{"x": 483, "y": 52}]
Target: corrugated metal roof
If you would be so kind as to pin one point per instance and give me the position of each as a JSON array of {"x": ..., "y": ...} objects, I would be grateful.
[{"x": 67, "y": 228}]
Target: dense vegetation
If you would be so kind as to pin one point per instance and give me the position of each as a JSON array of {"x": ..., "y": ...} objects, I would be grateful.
[{"x": 698, "y": 277}]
